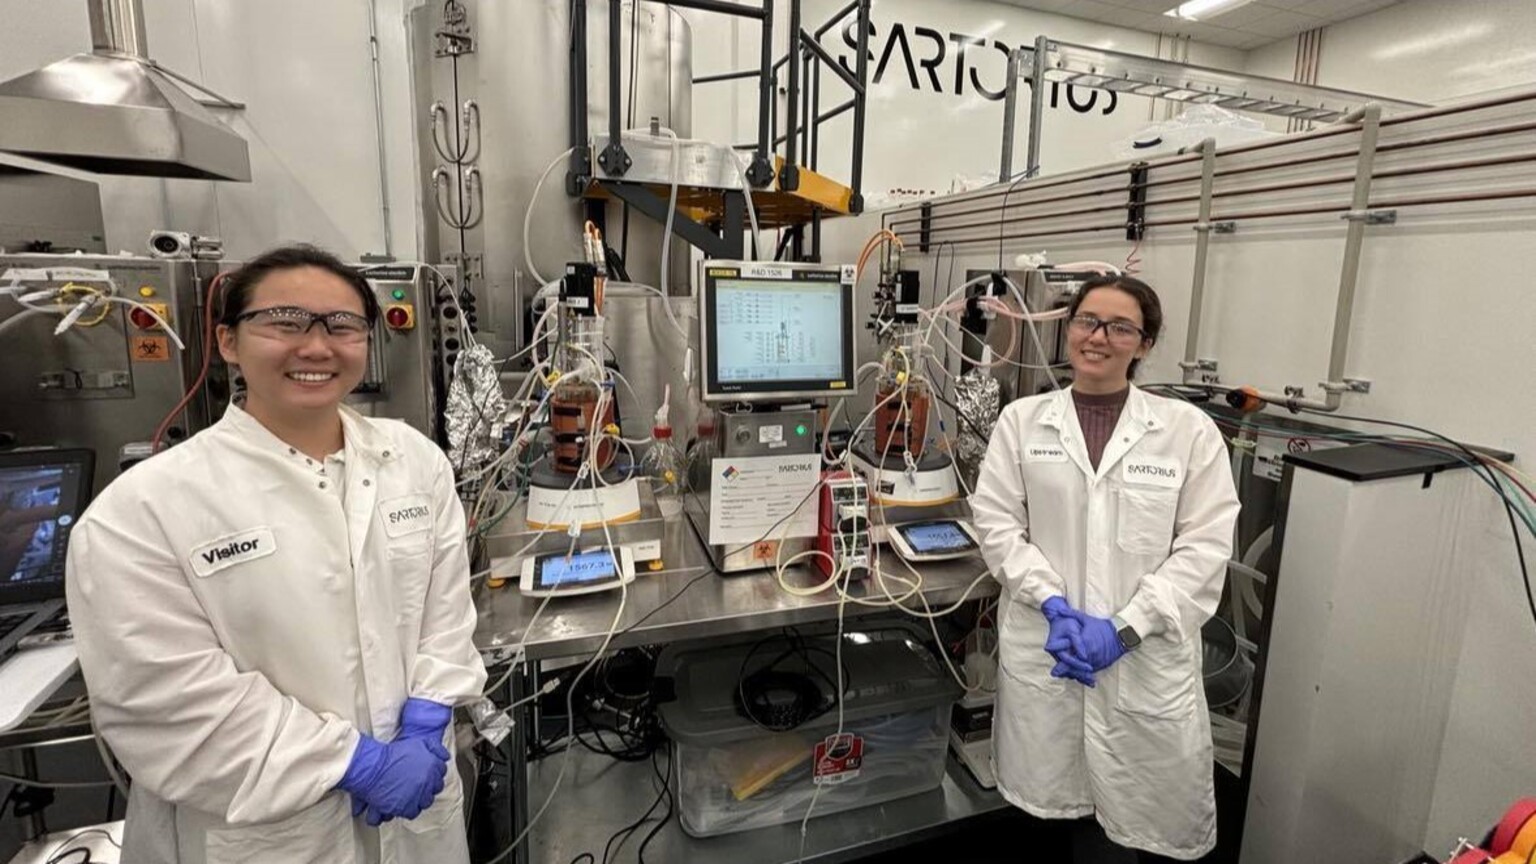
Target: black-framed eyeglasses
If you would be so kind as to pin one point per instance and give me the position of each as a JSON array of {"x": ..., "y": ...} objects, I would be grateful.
[
  {"x": 293, "y": 323},
  {"x": 1121, "y": 332}
]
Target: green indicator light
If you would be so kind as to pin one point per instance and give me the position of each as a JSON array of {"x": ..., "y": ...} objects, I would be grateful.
[
  {"x": 800, "y": 430},
  {"x": 398, "y": 294}
]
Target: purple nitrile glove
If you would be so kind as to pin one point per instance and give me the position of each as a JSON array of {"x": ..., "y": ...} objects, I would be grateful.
[
  {"x": 419, "y": 718},
  {"x": 1101, "y": 645},
  {"x": 423, "y": 718},
  {"x": 1064, "y": 642},
  {"x": 396, "y": 779}
]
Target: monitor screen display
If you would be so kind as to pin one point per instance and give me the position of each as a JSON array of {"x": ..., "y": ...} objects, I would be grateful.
[
  {"x": 38, "y": 506},
  {"x": 777, "y": 331}
]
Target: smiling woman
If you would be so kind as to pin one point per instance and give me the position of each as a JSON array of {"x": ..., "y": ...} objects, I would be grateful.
[
  {"x": 1107, "y": 515},
  {"x": 259, "y": 609}
]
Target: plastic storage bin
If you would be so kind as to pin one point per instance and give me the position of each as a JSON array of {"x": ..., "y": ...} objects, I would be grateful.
[{"x": 733, "y": 774}]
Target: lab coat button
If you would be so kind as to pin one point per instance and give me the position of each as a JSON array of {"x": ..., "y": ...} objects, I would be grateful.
[
  {"x": 367, "y": 482},
  {"x": 322, "y": 484}
]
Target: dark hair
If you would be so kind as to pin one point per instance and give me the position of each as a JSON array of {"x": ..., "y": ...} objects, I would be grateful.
[
  {"x": 1146, "y": 298},
  {"x": 239, "y": 284}
]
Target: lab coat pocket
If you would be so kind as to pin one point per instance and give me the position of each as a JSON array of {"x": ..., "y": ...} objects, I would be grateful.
[
  {"x": 1021, "y": 648},
  {"x": 1146, "y": 520},
  {"x": 1158, "y": 680},
  {"x": 308, "y": 837},
  {"x": 446, "y": 812}
]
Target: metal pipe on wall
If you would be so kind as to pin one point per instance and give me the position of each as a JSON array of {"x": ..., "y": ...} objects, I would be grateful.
[
  {"x": 1036, "y": 106},
  {"x": 1349, "y": 275},
  {"x": 1010, "y": 109},
  {"x": 117, "y": 27},
  {"x": 1168, "y": 161},
  {"x": 1207, "y": 149},
  {"x": 378, "y": 119}
]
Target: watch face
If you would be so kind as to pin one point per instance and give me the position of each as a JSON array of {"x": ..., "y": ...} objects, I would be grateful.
[{"x": 1129, "y": 637}]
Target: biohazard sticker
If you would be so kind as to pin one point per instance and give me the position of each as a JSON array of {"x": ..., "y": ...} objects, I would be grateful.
[
  {"x": 838, "y": 759},
  {"x": 150, "y": 349}
]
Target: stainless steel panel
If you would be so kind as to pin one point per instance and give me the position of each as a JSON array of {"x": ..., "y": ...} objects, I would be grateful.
[
  {"x": 698, "y": 163},
  {"x": 518, "y": 74},
  {"x": 106, "y": 420},
  {"x": 403, "y": 381},
  {"x": 39, "y": 208},
  {"x": 711, "y": 606}
]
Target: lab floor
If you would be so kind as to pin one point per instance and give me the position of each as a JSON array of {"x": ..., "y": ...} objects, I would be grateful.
[{"x": 1015, "y": 837}]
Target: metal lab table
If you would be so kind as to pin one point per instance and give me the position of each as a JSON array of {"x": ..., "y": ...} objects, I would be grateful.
[{"x": 711, "y": 605}]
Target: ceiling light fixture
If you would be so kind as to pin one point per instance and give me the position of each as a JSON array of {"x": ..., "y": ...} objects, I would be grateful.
[{"x": 1203, "y": 10}]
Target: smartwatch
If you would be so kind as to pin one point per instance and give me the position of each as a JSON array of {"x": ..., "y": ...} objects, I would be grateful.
[{"x": 1129, "y": 638}]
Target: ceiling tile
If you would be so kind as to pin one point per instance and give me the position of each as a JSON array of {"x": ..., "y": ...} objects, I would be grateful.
[
  {"x": 1242, "y": 16},
  {"x": 1151, "y": 7},
  {"x": 1285, "y": 23},
  {"x": 1096, "y": 10},
  {"x": 1207, "y": 33},
  {"x": 1044, "y": 5}
]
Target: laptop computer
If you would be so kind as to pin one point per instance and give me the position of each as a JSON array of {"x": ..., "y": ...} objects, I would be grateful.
[{"x": 42, "y": 495}]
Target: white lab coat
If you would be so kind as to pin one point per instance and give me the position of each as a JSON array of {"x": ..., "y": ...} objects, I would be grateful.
[
  {"x": 238, "y": 627},
  {"x": 1146, "y": 536}
]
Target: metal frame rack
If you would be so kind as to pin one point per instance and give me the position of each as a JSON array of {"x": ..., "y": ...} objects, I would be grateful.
[
  {"x": 1117, "y": 71},
  {"x": 787, "y": 193}
]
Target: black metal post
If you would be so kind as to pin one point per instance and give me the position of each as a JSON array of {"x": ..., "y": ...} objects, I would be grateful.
[
  {"x": 789, "y": 178},
  {"x": 733, "y": 229},
  {"x": 815, "y": 47},
  {"x": 814, "y": 150},
  {"x": 581, "y": 157},
  {"x": 723, "y": 8},
  {"x": 613, "y": 159},
  {"x": 861, "y": 71},
  {"x": 760, "y": 173},
  {"x": 838, "y": 16},
  {"x": 726, "y": 76},
  {"x": 807, "y": 111}
]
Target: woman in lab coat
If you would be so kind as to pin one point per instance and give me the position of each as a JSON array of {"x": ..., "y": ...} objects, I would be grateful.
[
  {"x": 274, "y": 617},
  {"x": 1107, "y": 515}
]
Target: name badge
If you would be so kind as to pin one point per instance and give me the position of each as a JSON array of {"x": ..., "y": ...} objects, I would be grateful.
[
  {"x": 1147, "y": 471},
  {"x": 407, "y": 514},
  {"x": 1044, "y": 453},
  {"x": 227, "y": 551}
]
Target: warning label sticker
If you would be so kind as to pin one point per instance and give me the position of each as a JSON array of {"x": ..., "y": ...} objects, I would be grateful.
[{"x": 838, "y": 759}]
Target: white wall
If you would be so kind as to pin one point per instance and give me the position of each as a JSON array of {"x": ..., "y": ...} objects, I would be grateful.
[
  {"x": 919, "y": 139},
  {"x": 1440, "y": 53},
  {"x": 304, "y": 71},
  {"x": 1422, "y": 50},
  {"x": 1440, "y": 327}
]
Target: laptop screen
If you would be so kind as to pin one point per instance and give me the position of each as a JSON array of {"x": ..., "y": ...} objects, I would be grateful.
[{"x": 42, "y": 494}]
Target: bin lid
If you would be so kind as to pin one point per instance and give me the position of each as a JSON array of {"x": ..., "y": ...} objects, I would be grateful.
[{"x": 887, "y": 670}]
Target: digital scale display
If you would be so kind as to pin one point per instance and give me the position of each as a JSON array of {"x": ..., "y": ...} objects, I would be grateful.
[
  {"x": 934, "y": 540},
  {"x": 583, "y": 568}
]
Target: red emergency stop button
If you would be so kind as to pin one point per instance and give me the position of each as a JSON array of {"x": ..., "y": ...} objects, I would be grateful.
[
  {"x": 145, "y": 321},
  {"x": 400, "y": 316}
]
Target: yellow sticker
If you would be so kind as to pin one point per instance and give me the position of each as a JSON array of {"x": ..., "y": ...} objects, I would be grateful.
[
  {"x": 149, "y": 349},
  {"x": 724, "y": 271},
  {"x": 838, "y": 385}
]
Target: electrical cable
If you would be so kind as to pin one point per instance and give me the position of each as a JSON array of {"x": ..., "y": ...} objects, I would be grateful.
[{"x": 202, "y": 373}]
